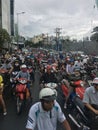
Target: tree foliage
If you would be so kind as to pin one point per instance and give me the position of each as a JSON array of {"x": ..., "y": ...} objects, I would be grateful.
[
  {"x": 95, "y": 29},
  {"x": 94, "y": 36},
  {"x": 4, "y": 36},
  {"x": 28, "y": 43}
]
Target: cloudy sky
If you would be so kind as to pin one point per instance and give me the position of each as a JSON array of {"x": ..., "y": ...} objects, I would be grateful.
[{"x": 74, "y": 17}]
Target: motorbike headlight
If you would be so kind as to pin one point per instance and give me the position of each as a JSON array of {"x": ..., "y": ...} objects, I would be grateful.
[
  {"x": 13, "y": 73},
  {"x": 11, "y": 80},
  {"x": 22, "y": 81},
  {"x": 86, "y": 128}
]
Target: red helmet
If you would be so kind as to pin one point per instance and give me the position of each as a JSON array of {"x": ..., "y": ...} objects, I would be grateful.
[{"x": 48, "y": 67}]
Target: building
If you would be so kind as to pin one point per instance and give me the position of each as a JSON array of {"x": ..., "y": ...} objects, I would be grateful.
[
  {"x": 12, "y": 16},
  {"x": 7, "y": 15},
  {"x": 42, "y": 37},
  {"x": 37, "y": 39}
]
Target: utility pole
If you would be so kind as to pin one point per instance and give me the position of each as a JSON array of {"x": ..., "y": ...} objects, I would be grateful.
[
  {"x": 47, "y": 39},
  {"x": 58, "y": 32}
]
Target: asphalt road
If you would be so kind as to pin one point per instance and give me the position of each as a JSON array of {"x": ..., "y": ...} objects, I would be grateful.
[{"x": 12, "y": 121}]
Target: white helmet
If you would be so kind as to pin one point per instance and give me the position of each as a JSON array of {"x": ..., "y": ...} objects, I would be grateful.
[
  {"x": 47, "y": 94},
  {"x": 24, "y": 66},
  {"x": 95, "y": 81}
]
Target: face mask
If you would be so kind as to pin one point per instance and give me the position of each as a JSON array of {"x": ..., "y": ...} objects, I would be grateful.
[
  {"x": 51, "y": 71},
  {"x": 16, "y": 64}
]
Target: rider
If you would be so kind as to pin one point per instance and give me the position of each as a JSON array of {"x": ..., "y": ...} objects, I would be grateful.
[
  {"x": 44, "y": 114},
  {"x": 30, "y": 66},
  {"x": 91, "y": 102},
  {"x": 1, "y": 96},
  {"x": 28, "y": 61},
  {"x": 7, "y": 55},
  {"x": 8, "y": 67},
  {"x": 23, "y": 73},
  {"x": 48, "y": 76},
  {"x": 69, "y": 67},
  {"x": 16, "y": 66},
  {"x": 71, "y": 79}
]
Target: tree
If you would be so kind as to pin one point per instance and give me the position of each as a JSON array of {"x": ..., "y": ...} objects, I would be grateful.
[
  {"x": 94, "y": 36},
  {"x": 95, "y": 29},
  {"x": 4, "y": 37}
]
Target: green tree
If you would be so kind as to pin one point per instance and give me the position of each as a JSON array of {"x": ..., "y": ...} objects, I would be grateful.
[
  {"x": 28, "y": 43},
  {"x": 4, "y": 37},
  {"x": 94, "y": 36}
]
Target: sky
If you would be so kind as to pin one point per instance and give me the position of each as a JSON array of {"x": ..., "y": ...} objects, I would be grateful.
[{"x": 75, "y": 18}]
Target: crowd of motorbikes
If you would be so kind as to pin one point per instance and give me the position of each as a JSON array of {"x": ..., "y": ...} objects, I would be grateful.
[{"x": 73, "y": 107}]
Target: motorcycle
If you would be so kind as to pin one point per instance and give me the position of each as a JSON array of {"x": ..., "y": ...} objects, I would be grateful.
[
  {"x": 22, "y": 93},
  {"x": 13, "y": 82},
  {"x": 52, "y": 86},
  {"x": 79, "y": 88},
  {"x": 76, "y": 113},
  {"x": 82, "y": 117},
  {"x": 74, "y": 106}
]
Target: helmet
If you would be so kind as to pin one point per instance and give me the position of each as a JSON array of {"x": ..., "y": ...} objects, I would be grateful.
[
  {"x": 16, "y": 60},
  {"x": 76, "y": 68},
  {"x": 7, "y": 61},
  {"x": 78, "y": 58},
  {"x": 24, "y": 66},
  {"x": 48, "y": 67},
  {"x": 47, "y": 94},
  {"x": 95, "y": 81}
]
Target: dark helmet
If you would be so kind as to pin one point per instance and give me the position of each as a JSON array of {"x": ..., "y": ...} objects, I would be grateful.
[{"x": 7, "y": 61}]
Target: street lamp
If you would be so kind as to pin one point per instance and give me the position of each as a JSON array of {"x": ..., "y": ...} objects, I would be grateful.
[{"x": 18, "y": 27}]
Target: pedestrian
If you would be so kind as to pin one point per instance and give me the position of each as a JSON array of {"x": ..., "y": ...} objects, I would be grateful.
[
  {"x": 45, "y": 113},
  {"x": 1, "y": 96}
]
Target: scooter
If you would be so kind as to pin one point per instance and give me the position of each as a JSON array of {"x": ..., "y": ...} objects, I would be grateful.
[
  {"x": 76, "y": 113},
  {"x": 78, "y": 85},
  {"x": 22, "y": 93},
  {"x": 53, "y": 86},
  {"x": 13, "y": 82},
  {"x": 75, "y": 107}
]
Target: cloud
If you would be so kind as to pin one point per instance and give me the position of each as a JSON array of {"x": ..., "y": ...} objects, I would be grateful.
[{"x": 43, "y": 16}]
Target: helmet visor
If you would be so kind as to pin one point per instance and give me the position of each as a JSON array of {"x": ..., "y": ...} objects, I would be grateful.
[{"x": 49, "y": 98}]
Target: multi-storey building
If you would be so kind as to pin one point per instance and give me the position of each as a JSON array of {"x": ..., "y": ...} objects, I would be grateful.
[{"x": 7, "y": 15}]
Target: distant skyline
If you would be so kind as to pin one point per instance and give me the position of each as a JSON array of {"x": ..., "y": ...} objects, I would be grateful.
[{"x": 75, "y": 17}]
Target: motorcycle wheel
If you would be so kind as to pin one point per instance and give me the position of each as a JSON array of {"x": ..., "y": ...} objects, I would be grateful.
[{"x": 19, "y": 104}]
